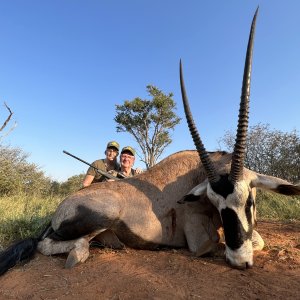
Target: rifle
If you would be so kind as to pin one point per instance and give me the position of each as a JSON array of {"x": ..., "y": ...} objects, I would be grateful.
[{"x": 106, "y": 174}]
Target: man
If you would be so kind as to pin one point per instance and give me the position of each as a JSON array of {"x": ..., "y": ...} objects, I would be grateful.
[
  {"x": 109, "y": 163},
  {"x": 127, "y": 159}
]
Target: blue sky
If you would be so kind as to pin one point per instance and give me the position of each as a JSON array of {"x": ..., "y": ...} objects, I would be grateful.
[{"x": 64, "y": 64}]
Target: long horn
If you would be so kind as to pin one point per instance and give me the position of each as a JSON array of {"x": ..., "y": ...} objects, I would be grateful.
[
  {"x": 238, "y": 155},
  {"x": 204, "y": 156}
]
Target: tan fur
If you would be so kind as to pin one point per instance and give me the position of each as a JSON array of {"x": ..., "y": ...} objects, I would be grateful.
[
  {"x": 143, "y": 211},
  {"x": 154, "y": 193},
  {"x": 147, "y": 206}
]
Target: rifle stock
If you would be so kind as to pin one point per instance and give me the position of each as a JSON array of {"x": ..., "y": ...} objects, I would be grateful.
[{"x": 106, "y": 174}]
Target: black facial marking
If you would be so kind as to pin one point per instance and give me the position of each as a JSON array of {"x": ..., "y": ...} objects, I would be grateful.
[
  {"x": 223, "y": 187},
  {"x": 235, "y": 235},
  {"x": 249, "y": 204}
]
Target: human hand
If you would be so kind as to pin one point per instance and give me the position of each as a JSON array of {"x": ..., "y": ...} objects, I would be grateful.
[{"x": 138, "y": 171}]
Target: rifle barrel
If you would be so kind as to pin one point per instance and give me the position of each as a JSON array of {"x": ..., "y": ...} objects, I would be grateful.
[{"x": 107, "y": 175}]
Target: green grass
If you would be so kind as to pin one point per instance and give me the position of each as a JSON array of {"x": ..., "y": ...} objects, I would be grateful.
[
  {"x": 272, "y": 206},
  {"x": 23, "y": 216}
]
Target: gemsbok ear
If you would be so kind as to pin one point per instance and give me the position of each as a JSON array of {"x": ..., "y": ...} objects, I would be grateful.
[
  {"x": 276, "y": 185},
  {"x": 195, "y": 193}
]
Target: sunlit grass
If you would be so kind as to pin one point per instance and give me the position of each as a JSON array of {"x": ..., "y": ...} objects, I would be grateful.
[
  {"x": 24, "y": 216},
  {"x": 272, "y": 206}
]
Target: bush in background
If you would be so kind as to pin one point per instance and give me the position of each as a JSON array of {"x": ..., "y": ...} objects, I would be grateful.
[
  {"x": 17, "y": 175},
  {"x": 72, "y": 185},
  {"x": 271, "y": 152}
]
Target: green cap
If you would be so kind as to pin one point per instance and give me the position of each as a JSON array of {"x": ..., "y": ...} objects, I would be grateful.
[
  {"x": 113, "y": 144},
  {"x": 129, "y": 149}
]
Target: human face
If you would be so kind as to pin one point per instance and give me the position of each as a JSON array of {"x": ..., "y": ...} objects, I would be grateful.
[
  {"x": 111, "y": 154},
  {"x": 127, "y": 160}
]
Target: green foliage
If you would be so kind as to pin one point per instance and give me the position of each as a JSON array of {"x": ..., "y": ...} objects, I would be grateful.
[
  {"x": 271, "y": 152},
  {"x": 72, "y": 185},
  {"x": 24, "y": 216},
  {"x": 18, "y": 175},
  {"x": 149, "y": 122},
  {"x": 277, "y": 207}
]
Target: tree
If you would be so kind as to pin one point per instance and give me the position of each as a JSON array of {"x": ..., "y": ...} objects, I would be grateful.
[
  {"x": 72, "y": 185},
  {"x": 149, "y": 122},
  {"x": 7, "y": 121},
  {"x": 18, "y": 175},
  {"x": 271, "y": 152}
]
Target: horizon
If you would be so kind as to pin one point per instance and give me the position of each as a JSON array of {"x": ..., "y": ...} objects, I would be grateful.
[{"x": 65, "y": 65}]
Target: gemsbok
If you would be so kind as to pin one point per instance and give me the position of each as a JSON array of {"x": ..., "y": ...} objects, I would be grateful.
[{"x": 189, "y": 199}]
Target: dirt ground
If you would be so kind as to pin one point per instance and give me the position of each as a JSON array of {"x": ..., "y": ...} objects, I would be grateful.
[{"x": 165, "y": 274}]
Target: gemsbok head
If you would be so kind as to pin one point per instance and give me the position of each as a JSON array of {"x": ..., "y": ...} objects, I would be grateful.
[{"x": 232, "y": 191}]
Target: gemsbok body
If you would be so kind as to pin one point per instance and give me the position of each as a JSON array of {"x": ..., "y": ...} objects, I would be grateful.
[{"x": 190, "y": 199}]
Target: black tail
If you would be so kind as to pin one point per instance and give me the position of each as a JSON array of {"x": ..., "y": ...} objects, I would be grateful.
[{"x": 22, "y": 250}]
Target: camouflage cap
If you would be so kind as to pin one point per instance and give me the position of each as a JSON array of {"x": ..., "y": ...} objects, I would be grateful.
[
  {"x": 113, "y": 144},
  {"x": 129, "y": 149}
]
